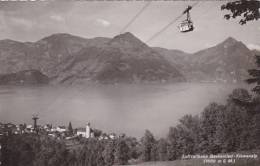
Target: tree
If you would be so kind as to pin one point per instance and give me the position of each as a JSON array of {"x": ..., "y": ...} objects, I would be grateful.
[
  {"x": 222, "y": 130},
  {"x": 108, "y": 153},
  {"x": 22, "y": 128},
  {"x": 154, "y": 151},
  {"x": 32, "y": 149},
  {"x": 188, "y": 131},
  {"x": 239, "y": 129},
  {"x": 248, "y": 10},
  {"x": 240, "y": 96},
  {"x": 235, "y": 128},
  {"x": 173, "y": 148},
  {"x": 97, "y": 133},
  {"x": 184, "y": 138},
  {"x": 90, "y": 154},
  {"x": 70, "y": 129},
  {"x": 256, "y": 130},
  {"x": 121, "y": 152},
  {"x": 208, "y": 127},
  {"x": 147, "y": 143},
  {"x": 162, "y": 150},
  {"x": 133, "y": 145},
  {"x": 255, "y": 74}
]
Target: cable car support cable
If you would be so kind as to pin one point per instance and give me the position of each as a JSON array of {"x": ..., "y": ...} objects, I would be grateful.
[
  {"x": 135, "y": 17},
  {"x": 168, "y": 25}
]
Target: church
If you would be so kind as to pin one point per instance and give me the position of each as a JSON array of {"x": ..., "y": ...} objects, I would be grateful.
[{"x": 86, "y": 132}]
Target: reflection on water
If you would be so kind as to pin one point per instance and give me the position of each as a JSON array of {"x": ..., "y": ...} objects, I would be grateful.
[{"x": 126, "y": 109}]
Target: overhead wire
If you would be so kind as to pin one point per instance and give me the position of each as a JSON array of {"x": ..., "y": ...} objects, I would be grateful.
[
  {"x": 135, "y": 17},
  {"x": 168, "y": 25},
  {"x": 164, "y": 28}
]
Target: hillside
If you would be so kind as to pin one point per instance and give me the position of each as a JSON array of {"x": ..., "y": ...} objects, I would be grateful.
[
  {"x": 256, "y": 52},
  {"x": 123, "y": 59},
  {"x": 70, "y": 59},
  {"x": 177, "y": 58},
  {"x": 228, "y": 61},
  {"x": 65, "y": 58},
  {"x": 27, "y": 77}
]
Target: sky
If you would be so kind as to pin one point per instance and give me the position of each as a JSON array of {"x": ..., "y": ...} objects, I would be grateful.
[{"x": 31, "y": 21}]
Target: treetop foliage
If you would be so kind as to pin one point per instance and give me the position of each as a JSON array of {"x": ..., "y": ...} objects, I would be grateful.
[
  {"x": 255, "y": 76},
  {"x": 247, "y": 10}
]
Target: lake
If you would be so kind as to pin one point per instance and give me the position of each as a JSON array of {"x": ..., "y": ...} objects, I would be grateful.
[{"x": 126, "y": 109}]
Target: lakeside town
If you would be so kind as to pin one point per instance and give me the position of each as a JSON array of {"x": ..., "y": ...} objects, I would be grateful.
[{"x": 59, "y": 132}]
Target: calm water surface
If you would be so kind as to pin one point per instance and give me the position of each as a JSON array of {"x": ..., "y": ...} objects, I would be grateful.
[{"x": 126, "y": 109}]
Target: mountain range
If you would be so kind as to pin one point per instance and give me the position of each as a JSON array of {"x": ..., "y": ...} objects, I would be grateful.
[
  {"x": 227, "y": 61},
  {"x": 67, "y": 59}
]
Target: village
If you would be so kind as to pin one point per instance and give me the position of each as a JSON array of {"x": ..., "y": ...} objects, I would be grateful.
[{"x": 59, "y": 132}]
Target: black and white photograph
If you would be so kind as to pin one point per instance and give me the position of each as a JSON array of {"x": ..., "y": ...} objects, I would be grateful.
[{"x": 129, "y": 82}]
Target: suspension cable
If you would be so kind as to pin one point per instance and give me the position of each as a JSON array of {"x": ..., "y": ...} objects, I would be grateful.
[
  {"x": 168, "y": 25},
  {"x": 135, "y": 17}
]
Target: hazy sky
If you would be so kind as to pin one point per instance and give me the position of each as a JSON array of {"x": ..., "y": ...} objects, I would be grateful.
[{"x": 31, "y": 21}]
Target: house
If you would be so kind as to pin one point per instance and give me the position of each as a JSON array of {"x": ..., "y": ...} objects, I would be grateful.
[
  {"x": 11, "y": 128},
  {"x": 8, "y": 128},
  {"x": 2, "y": 129},
  {"x": 21, "y": 128},
  {"x": 10, "y": 125},
  {"x": 47, "y": 127},
  {"x": 29, "y": 129},
  {"x": 103, "y": 136},
  {"x": 107, "y": 136},
  {"x": 52, "y": 135},
  {"x": 81, "y": 132},
  {"x": 61, "y": 129},
  {"x": 54, "y": 129},
  {"x": 112, "y": 136},
  {"x": 2, "y": 132}
]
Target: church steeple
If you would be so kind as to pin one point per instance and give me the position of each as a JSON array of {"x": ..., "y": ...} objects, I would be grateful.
[{"x": 88, "y": 130}]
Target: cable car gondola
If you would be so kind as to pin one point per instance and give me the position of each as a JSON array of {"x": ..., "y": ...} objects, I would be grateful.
[{"x": 186, "y": 25}]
